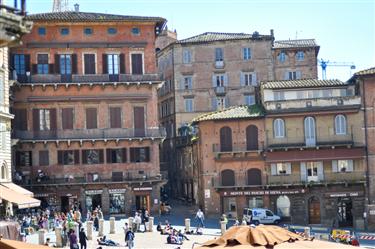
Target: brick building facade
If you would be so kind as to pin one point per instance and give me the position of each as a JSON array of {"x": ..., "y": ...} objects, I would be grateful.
[
  {"x": 213, "y": 71},
  {"x": 86, "y": 118}
]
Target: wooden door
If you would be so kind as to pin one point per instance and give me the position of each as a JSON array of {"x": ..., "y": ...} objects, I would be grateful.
[
  {"x": 225, "y": 139},
  {"x": 314, "y": 210},
  {"x": 252, "y": 137},
  {"x": 139, "y": 121}
]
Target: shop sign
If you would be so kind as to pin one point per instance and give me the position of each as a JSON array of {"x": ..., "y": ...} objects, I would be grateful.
[
  {"x": 94, "y": 192},
  {"x": 264, "y": 192},
  {"x": 117, "y": 191},
  {"x": 142, "y": 189},
  {"x": 344, "y": 194}
]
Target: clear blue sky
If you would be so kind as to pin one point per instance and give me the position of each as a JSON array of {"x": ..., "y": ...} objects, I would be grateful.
[{"x": 345, "y": 30}]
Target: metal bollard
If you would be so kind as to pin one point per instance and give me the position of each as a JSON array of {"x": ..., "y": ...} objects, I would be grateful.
[
  {"x": 58, "y": 236},
  {"x": 151, "y": 224},
  {"x": 42, "y": 235},
  {"x": 112, "y": 228},
  {"x": 223, "y": 226},
  {"x": 307, "y": 232},
  {"x": 101, "y": 227},
  {"x": 89, "y": 229},
  {"x": 187, "y": 225}
]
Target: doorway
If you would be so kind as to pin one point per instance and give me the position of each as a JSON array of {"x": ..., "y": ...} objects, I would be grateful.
[
  {"x": 314, "y": 210},
  {"x": 142, "y": 202},
  {"x": 64, "y": 204},
  {"x": 93, "y": 201},
  {"x": 344, "y": 212}
]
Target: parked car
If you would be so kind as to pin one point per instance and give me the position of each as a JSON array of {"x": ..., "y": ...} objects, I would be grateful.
[{"x": 260, "y": 216}]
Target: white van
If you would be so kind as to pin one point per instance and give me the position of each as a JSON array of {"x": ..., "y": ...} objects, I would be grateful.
[{"x": 260, "y": 216}]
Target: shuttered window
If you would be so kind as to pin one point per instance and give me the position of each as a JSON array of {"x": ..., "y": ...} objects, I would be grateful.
[
  {"x": 68, "y": 157},
  {"x": 140, "y": 154},
  {"x": 67, "y": 118},
  {"x": 23, "y": 158},
  {"x": 20, "y": 119},
  {"x": 43, "y": 158},
  {"x": 91, "y": 118},
  {"x": 89, "y": 60},
  {"x": 92, "y": 156},
  {"x": 42, "y": 67},
  {"x": 137, "y": 64},
  {"x": 115, "y": 117}
]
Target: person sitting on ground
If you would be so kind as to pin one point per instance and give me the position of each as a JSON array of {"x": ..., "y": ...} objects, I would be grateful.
[
  {"x": 182, "y": 236},
  {"x": 188, "y": 232},
  {"x": 173, "y": 239}
]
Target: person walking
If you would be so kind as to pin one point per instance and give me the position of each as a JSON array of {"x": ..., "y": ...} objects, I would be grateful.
[
  {"x": 83, "y": 238},
  {"x": 129, "y": 238},
  {"x": 200, "y": 217},
  {"x": 73, "y": 240}
]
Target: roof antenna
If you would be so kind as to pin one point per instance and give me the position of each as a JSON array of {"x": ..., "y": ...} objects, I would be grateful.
[{"x": 60, "y": 5}]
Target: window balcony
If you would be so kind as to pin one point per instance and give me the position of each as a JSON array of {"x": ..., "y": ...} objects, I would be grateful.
[
  {"x": 323, "y": 137},
  {"x": 328, "y": 178},
  {"x": 12, "y": 23},
  {"x": 86, "y": 78},
  {"x": 238, "y": 152},
  {"x": 89, "y": 134},
  {"x": 219, "y": 64},
  {"x": 220, "y": 90}
]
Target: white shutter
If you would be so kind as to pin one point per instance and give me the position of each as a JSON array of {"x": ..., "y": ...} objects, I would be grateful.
[
  {"x": 273, "y": 169},
  {"x": 299, "y": 75},
  {"x": 190, "y": 82},
  {"x": 242, "y": 79},
  {"x": 214, "y": 104},
  {"x": 334, "y": 166},
  {"x": 214, "y": 80},
  {"x": 286, "y": 76},
  {"x": 254, "y": 79},
  {"x": 350, "y": 166},
  {"x": 320, "y": 171},
  {"x": 303, "y": 171},
  {"x": 226, "y": 80},
  {"x": 182, "y": 83},
  {"x": 288, "y": 168}
]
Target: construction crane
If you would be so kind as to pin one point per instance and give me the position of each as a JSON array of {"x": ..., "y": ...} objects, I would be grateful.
[
  {"x": 326, "y": 63},
  {"x": 60, "y": 5}
]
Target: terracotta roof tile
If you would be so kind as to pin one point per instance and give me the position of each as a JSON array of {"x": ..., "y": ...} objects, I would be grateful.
[
  {"x": 301, "y": 43},
  {"x": 234, "y": 112},
  {"x": 365, "y": 72},
  {"x": 303, "y": 83},
  {"x": 214, "y": 36}
]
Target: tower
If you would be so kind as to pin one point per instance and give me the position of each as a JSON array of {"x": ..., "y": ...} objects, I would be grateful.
[{"x": 60, "y": 5}]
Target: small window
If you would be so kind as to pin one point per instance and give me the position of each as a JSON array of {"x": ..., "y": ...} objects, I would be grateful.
[
  {"x": 188, "y": 83},
  {"x": 112, "y": 31},
  {"x": 340, "y": 124},
  {"x": 136, "y": 31},
  {"x": 279, "y": 128},
  {"x": 87, "y": 31},
  {"x": 64, "y": 31},
  {"x": 186, "y": 56},
  {"x": 300, "y": 56},
  {"x": 188, "y": 104},
  {"x": 278, "y": 96},
  {"x": 282, "y": 57},
  {"x": 246, "y": 54},
  {"x": 42, "y": 66},
  {"x": 249, "y": 99},
  {"x": 42, "y": 31},
  {"x": 219, "y": 55}
]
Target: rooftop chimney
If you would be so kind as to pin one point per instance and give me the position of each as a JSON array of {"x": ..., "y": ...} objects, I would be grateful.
[{"x": 76, "y": 7}]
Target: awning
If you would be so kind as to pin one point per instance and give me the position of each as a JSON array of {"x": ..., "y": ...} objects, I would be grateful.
[
  {"x": 14, "y": 244},
  {"x": 17, "y": 188},
  {"x": 22, "y": 201}
]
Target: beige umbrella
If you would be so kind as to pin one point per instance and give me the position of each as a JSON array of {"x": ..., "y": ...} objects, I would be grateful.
[{"x": 243, "y": 237}]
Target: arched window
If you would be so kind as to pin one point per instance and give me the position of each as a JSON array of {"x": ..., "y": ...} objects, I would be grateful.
[
  {"x": 340, "y": 125},
  {"x": 3, "y": 171},
  {"x": 252, "y": 137},
  {"x": 227, "y": 177},
  {"x": 300, "y": 56},
  {"x": 282, "y": 57},
  {"x": 278, "y": 128},
  {"x": 254, "y": 177},
  {"x": 225, "y": 139},
  {"x": 283, "y": 206}
]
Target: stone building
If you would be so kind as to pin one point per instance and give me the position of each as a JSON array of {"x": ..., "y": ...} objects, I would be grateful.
[
  {"x": 230, "y": 160},
  {"x": 315, "y": 151},
  {"x": 12, "y": 27},
  {"x": 85, "y": 102},
  {"x": 213, "y": 71},
  {"x": 366, "y": 81}
]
